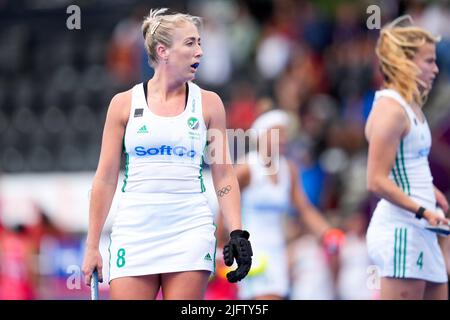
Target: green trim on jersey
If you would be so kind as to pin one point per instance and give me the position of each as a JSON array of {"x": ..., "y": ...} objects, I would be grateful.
[
  {"x": 400, "y": 185},
  {"x": 127, "y": 161},
  {"x": 395, "y": 177},
  {"x": 202, "y": 184},
  {"x": 402, "y": 157},
  {"x": 399, "y": 167}
]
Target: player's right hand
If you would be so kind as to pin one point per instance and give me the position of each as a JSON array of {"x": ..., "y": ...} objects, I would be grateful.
[
  {"x": 92, "y": 260},
  {"x": 435, "y": 219}
]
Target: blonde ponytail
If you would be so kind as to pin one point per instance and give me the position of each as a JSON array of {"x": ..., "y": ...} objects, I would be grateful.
[{"x": 395, "y": 49}]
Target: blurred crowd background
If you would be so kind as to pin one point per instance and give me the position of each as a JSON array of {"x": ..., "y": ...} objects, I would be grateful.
[{"x": 314, "y": 59}]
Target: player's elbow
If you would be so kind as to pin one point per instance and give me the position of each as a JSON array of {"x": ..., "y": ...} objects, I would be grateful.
[{"x": 374, "y": 184}]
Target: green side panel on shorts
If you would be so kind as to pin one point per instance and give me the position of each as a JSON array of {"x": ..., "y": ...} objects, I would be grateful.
[
  {"x": 215, "y": 248},
  {"x": 400, "y": 243},
  {"x": 395, "y": 253},
  {"x": 404, "y": 252},
  {"x": 109, "y": 260},
  {"x": 127, "y": 160},
  {"x": 399, "y": 255}
]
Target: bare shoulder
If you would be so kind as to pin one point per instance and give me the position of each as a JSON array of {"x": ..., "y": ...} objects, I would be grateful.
[
  {"x": 119, "y": 107},
  {"x": 388, "y": 115},
  {"x": 213, "y": 107},
  {"x": 388, "y": 106},
  {"x": 211, "y": 98}
]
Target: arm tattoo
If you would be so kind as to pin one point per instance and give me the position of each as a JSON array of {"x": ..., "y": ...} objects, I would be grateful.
[{"x": 224, "y": 191}]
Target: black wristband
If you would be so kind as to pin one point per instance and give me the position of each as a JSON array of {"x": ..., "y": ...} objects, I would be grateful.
[{"x": 419, "y": 213}]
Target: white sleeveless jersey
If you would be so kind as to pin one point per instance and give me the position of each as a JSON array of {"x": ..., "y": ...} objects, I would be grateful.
[
  {"x": 164, "y": 154},
  {"x": 397, "y": 242},
  {"x": 265, "y": 203},
  {"x": 411, "y": 170}
]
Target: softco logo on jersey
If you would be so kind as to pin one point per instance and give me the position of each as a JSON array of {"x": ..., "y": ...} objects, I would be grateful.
[{"x": 165, "y": 151}]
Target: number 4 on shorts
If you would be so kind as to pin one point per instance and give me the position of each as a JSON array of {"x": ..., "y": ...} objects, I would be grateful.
[{"x": 420, "y": 260}]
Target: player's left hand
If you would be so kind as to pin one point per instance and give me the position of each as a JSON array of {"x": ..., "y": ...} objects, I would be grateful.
[{"x": 239, "y": 249}]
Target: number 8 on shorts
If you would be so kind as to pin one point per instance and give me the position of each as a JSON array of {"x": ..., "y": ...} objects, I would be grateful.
[{"x": 120, "y": 258}]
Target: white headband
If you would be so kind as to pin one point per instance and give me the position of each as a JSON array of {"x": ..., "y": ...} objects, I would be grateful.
[{"x": 270, "y": 119}]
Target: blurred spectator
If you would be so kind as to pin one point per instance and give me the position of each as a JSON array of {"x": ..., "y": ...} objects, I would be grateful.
[
  {"x": 125, "y": 49},
  {"x": 244, "y": 32},
  {"x": 52, "y": 260},
  {"x": 311, "y": 277},
  {"x": 18, "y": 274},
  {"x": 273, "y": 55},
  {"x": 216, "y": 63},
  {"x": 435, "y": 17},
  {"x": 242, "y": 109},
  {"x": 353, "y": 282},
  {"x": 269, "y": 186}
]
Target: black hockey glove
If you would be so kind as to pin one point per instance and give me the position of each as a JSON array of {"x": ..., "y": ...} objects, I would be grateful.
[{"x": 238, "y": 248}]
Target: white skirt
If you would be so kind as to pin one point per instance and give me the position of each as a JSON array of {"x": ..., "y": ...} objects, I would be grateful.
[
  {"x": 403, "y": 248},
  {"x": 156, "y": 233}
]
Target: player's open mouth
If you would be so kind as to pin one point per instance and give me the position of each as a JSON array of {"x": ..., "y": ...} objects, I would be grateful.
[{"x": 195, "y": 65}]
